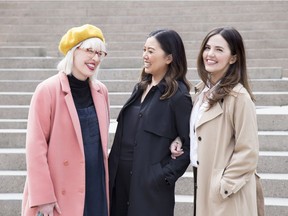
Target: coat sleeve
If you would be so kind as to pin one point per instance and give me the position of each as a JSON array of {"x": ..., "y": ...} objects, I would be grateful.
[
  {"x": 244, "y": 160},
  {"x": 182, "y": 107},
  {"x": 40, "y": 186}
]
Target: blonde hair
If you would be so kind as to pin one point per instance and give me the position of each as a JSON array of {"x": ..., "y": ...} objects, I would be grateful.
[{"x": 66, "y": 63}]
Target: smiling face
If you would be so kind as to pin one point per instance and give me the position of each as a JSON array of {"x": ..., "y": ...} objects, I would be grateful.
[
  {"x": 84, "y": 66},
  {"x": 87, "y": 57},
  {"x": 217, "y": 57},
  {"x": 156, "y": 61}
]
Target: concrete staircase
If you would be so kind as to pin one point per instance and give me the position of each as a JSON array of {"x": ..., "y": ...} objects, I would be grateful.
[{"x": 29, "y": 36}]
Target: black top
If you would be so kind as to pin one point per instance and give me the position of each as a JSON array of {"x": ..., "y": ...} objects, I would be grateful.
[
  {"x": 130, "y": 119},
  {"x": 81, "y": 92}
]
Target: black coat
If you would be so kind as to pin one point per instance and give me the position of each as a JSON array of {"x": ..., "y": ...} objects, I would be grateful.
[{"x": 154, "y": 171}]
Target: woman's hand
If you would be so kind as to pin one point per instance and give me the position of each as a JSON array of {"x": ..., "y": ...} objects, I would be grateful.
[
  {"x": 176, "y": 148},
  {"x": 47, "y": 209}
]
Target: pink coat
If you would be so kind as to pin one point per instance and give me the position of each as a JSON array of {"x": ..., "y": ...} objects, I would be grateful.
[{"x": 54, "y": 147}]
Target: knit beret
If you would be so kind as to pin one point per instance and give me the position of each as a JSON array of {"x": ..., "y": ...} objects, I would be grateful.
[{"x": 77, "y": 34}]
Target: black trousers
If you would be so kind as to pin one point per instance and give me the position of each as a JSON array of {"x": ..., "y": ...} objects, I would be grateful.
[{"x": 195, "y": 187}]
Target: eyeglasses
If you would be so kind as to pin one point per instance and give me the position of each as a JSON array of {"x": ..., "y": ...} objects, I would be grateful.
[{"x": 91, "y": 53}]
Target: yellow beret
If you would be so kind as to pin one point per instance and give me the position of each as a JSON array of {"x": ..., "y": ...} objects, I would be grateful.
[{"x": 77, "y": 34}]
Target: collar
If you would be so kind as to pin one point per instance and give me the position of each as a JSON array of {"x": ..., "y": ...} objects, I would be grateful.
[
  {"x": 66, "y": 87},
  {"x": 161, "y": 86}
]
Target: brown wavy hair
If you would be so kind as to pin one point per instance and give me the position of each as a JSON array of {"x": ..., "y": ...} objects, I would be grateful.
[
  {"x": 236, "y": 73},
  {"x": 171, "y": 43}
]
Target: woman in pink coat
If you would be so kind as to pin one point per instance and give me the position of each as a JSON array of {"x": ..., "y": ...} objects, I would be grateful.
[{"x": 67, "y": 133}]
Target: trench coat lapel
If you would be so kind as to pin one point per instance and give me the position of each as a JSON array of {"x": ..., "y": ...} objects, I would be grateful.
[
  {"x": 133, "y": 96},
  {"x": 136, "y": 92},
  {"x": 71, "y": 108},
  {"x": 212, "y": 113}
]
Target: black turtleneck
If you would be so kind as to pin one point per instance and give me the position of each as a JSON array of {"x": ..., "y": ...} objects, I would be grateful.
[{"x": 81, "y": 92}]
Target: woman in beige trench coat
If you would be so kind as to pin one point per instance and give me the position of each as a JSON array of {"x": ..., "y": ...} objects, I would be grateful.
[{"x": 223, "y": 130}]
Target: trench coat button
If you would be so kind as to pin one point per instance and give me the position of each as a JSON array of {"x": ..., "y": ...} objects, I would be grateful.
[
  {"x": 199, "y": 138},
  {"x": 66, "y": 163},
  {"x": 128, "y": 203},
  {"x": 167, "y": 182},
  {"x": 226, "y": 192},
  {"x": 140, "y": 115},
  {"x": 197, "y": 162},
  {"x": 131, "y": 172},
  {"x": 63, "y": 192}
]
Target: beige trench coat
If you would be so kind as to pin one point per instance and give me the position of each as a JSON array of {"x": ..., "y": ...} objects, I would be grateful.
[{"x": 227, "y": 154}]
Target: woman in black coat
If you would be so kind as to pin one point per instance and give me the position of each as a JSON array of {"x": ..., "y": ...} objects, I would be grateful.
[{"x": 142, "y": 172}]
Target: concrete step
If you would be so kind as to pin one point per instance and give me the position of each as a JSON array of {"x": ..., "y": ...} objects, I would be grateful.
[
  {"x": 130, "y": 6},
  {"x": 136, "y": 42},
  {"x": 125, "y": 73},
  {"x": 125, "y": 44},
  {"x": 13, "y": 124},
  {"x": 16, "y": 137},
  {"x": 117, "y": 62},
  {"x": 269, "y": 85},
  {"x": 273, "y": 184},
  {"x": 11, "y": 205},
  {"x": 269, "y": 140},
  {"x": 26, "y": 51},
  {"x": 120, "y": 91},
  {"x": 157, "y": 13},
  {"x": 270, "y": 98},
  {"x": 12, "y": 138},
  {"x": 24, "y": 62},
  {"x": 268, "y": 53},
  {"x": 15, "y": 98},
  {"x": 274, "y": 122},
  {"x": 189, "y": 43},
  {"x": 278, "y": 99},
  {"x": 161, "y": 15},
  {"x": 12, "y": 181},
  {"x": 272, "y": 119},
  {"x": 259, "y": 86},
  {"x": 273, "y": 140},
  {"x": 273, "y": 162},
  {"x": 269, "y": 161},
  {"x": 119, "y": 98},
  {"x": 12, "y": 159},
  {"x": 140, "y": 37},
  {"x": 22, "y": 51},
  {"x": 245, "y": 5}
]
